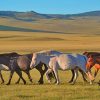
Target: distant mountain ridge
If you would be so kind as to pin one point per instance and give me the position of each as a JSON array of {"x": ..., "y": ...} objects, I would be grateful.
[
  {"x": 88, "y": 22},
  {"x": 31, "y": 15}
]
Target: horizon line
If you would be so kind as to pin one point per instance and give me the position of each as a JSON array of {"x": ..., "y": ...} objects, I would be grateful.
[{"x": 50, "y": 13}]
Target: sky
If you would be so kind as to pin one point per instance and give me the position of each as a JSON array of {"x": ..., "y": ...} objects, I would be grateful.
[{"x": 50, "y": 6}]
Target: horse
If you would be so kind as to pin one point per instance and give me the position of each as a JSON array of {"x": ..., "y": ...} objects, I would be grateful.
[
  {"x": 63, "y": 62},
  {"x": 4, "y": 62},
  {"x": 57, "y": 53},
  {"x": 22, "y": 63},
  {"x": 5, "y": 68},
  {"x": 15, "y": 62},
  {"x": 93, "y": 60}
]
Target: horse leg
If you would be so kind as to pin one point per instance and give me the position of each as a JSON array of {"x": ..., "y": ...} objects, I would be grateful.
[
  {"x": 53, "y": 74},
  {"x": 20, "y": 75},
  {"x": 47, "y": 74},
  {"x": 39, "y": 68},
  {"x": 56, "y": 74},
  {"x": 96, "y": 71},
  {"x": 73, "y": 74},
  {"x": 11, "y": 74},
  {"x": 29, "y": 76},
  {"x": 83, "y": 75},
  {"x": 76, "y": 75},
  {"x": 18, "y": 81},
  {"x": 41, "y": 75},
  {"x": 89, "y": 75},
  {"x": 1, "y": 78}
]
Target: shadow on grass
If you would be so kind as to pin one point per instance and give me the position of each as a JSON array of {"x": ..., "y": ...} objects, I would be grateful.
[{"x": 11, "y": 28}]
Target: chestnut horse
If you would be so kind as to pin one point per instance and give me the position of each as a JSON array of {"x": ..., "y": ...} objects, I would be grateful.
[{"x": 93, "y": 60}]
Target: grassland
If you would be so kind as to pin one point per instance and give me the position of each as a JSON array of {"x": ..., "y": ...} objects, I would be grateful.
[
  {"x": 26, "y": 42},
  {"x": 29, "y": 42},
  {"x": 77, "y": 36}
]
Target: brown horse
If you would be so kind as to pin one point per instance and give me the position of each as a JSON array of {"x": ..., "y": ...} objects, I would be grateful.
[
  {"x": 22, "y": 63},
  {"x": 5, "y": 60},
  {"x": 93, "y": 60},
  {"x": 17, "y": 63}
]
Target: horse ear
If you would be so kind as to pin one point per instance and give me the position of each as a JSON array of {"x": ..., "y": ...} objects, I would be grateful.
[{"x": 85, "y": 53}]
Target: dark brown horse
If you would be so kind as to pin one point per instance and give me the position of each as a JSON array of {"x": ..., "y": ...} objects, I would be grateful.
[
  {"x": 22, "y": 63},
  {"x": 18, "y": 63},
  {"x": 5, "y": 59}
]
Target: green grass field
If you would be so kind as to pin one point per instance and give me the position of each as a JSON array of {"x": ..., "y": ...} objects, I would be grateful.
[
  {"x": 64, "y": 91},
  {"x": 27, "y": 42}
]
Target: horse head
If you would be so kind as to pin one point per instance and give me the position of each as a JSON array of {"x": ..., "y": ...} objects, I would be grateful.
[
  {"x": 35, "y": 60},
  {"x": 90, "y": 62}
]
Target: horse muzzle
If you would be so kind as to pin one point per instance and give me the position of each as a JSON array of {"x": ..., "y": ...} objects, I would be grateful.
[{"x": 32, "y": 66}]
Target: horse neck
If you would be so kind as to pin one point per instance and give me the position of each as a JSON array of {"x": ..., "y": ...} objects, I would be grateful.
[
  {"x": 46, "y": 59},
  {"x": 29, "y": 56}
]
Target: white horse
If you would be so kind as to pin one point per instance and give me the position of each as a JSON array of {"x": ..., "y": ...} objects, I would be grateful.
[
  {"x": 63, "y": 62},
  {"x": 57, "y": 53},
  {"x": 50, "y": 52}
]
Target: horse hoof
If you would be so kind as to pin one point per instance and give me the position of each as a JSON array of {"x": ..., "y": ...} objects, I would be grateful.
[
  {"x": 40, "y": 82},
  {"x": 8, "y": 84},
  {"x": 17, "y": 83},
  {"x": 85, "y": 81},
  {"x": 70, "y": 81},
  {"x": 24, "y": 83},
  {"x": 31, "y": 81},
  {"x": 99, "y": 83},
  {"x": 2, "y": 82},
  {"x": 57, "y": 83}
]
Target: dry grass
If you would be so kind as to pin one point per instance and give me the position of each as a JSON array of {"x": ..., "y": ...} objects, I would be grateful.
[
  {"x": 31, "y": 41},
  {"x": 84, "y": 36}
]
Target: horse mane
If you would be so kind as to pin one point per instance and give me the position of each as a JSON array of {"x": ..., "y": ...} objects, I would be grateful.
[
  {"x": 12, "y": 54},
  {"x": 92, "y": 54},
  {"x": 28, "y": 55},
  {"x": 44, "y": 52},
  {"x": 49, "y": 52}
]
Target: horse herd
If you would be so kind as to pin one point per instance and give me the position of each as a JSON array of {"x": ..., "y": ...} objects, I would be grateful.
[{"x": 53, "y": 61}]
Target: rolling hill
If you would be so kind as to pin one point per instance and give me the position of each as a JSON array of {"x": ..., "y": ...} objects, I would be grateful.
[
  {"x": 88, "y": 22},
  {"x": 31, "y": 31},
  {"x": 34, "y": 15}
]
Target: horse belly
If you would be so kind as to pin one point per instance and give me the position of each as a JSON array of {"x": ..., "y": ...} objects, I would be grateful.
[{"x": 67, "y": 63}]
